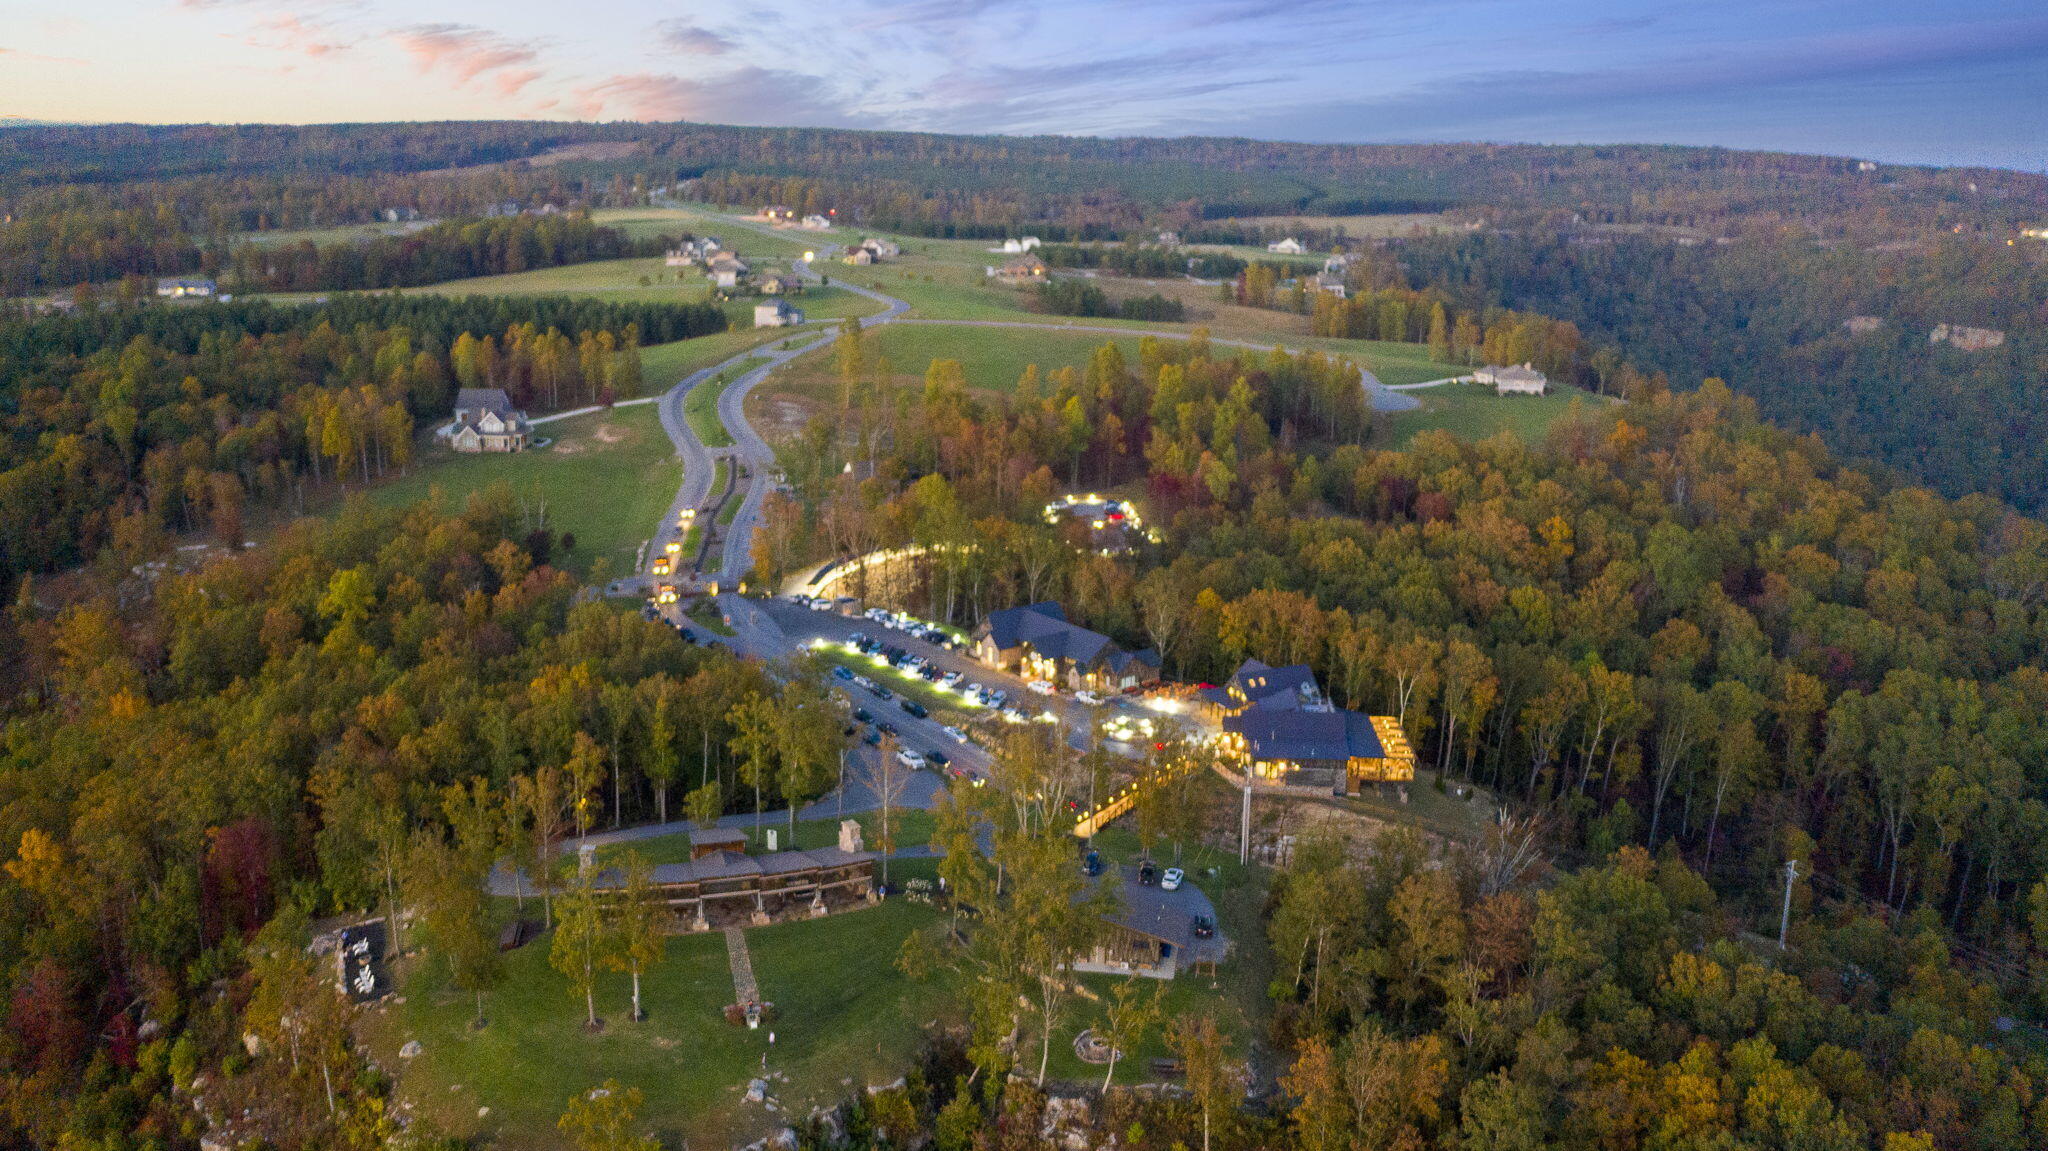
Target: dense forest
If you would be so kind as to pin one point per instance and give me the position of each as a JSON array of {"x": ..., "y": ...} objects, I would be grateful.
[
  {"x": 1674, "y": 624},
  {"x": 1769, "y": 318},
  {"x": 288, "y": 731},
  {"x": 126, "y": 425}
]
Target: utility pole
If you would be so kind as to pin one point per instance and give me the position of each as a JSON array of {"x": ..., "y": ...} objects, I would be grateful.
[
  {"x": 1785, "y": 917},
  {"x": 1244, "y": 821}
]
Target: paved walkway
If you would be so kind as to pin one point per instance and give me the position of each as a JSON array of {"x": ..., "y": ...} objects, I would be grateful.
[{"x": 744, "y": 989}]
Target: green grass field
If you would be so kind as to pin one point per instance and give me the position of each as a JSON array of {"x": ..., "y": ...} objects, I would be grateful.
[
  {"x": 993, "y": 358},
  {"x": 1473, "y": 412},
  {"x": 1389, "y": 224},
  {"x": 663, "y": 366},
  {"x": 339, "y": 234},
  {"x": 607, "y": 478},
  {"x": 647, "y": 223},
  {"x": 846, "y": 1018},
  {"x": 700, "y": 407}
]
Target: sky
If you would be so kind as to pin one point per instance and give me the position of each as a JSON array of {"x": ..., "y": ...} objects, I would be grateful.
[{"x": 1960, "y": 82}]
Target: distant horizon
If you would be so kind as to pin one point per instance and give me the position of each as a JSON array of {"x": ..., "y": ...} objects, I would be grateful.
[
  {"x": 1883, "y": 80},
  {"x": 25, "y": 122}
]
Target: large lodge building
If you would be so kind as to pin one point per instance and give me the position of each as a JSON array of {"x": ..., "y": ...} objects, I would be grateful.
[{"x": 1277, "y": 723}]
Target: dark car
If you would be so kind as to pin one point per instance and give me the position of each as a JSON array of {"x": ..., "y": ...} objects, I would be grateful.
[
  {"x": 686, "y": 635},
  {"x": 1092, "y": 865},
  {"x": 841, "y": 673},
  {"x": 887, "y": 728},
  {"x": 883, "y": 692},
  {"x": 1148, "y": 873},
  {"x": 1202, "y": 926},
  {"x": 872, "y": 738},
  {"x": 915, "y": 708},
  {"x": 938, "y": 758},
  {"x": 864, "y": 715}
]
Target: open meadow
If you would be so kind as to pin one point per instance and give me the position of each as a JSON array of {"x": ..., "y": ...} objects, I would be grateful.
[
  {"x": 845, "y": 1017},
  {"x": 606, "y": 477}
]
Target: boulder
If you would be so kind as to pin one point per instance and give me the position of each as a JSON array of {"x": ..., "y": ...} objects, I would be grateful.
[
  {"x": 410, "y": 1050},
  {"x": 757, "y": 1090}
]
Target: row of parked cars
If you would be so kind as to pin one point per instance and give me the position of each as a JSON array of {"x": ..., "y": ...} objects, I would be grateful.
[{"x": 1149, "y": 874}]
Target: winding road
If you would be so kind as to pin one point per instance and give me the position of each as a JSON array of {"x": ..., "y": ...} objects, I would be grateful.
[{"x": 750, "y": 453}]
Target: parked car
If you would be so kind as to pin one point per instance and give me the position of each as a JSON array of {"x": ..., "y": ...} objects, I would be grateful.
[
  {"x": 841, "y": 673},
  {"x": 1092, "y": 863},
  {"x": 955, "y": 733},
  {"x": 1172, "y": 879},
  {"x": 887, "y": 728},
  {"x": 872, "y": 738},
  {"x": 915, "y": 708},
  {"x": 914, "y": 760},
  {"x": 938, "y": 758},
  {"x": 1042, "y": 687},
  {"x": 1202, "y": 926},
  {"x": 1089, "y": 698},
  {"x": 865, "y": 682},
  {"x": 883, "y": 692},
  {"x": 1148, "y": 873},
  {"x": 951, "y": 678},
  {"x": 864, "y": 715}
]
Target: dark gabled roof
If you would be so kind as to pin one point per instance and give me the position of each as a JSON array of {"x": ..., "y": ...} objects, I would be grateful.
[
  {"x": 1121, "y": 661},
  {"x": 1296, "y": 735},
  {"x": 484, "y": 400},
  {"x": 702, "y": 837},
  {"x": 1044, "y": 626},
  {"x": 1267, "y": 686}
]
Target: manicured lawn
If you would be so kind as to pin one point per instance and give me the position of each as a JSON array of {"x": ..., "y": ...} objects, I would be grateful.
[
  {"x": 1474, "y": 412},
  {"x": 846, "y": 1018},
  {"x": 606, "y": 478},
  {"x": 993, "y": 358},
  {"x": 339, "y": 234},
  {"x": 662, "y": 366},
  {"x": 648, "y": 222},
  {"x": 1389, "y": 224},
  {"x": 912, "y": 827},
  {"x": 605, "y": 279},
  {"x": 700, "y": 407}
]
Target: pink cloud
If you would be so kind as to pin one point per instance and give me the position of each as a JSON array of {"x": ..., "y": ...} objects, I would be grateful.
[
  {"x": 39, "y": 57},
  {"x": 468, "y": 52},
  {"x": 295, "y": 34}
]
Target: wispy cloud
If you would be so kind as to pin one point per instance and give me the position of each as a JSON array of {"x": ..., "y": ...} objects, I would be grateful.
[
  {"x": 695, "y": 39},
  {"x": 746, "y": 95},
  {"x": 40, "y": 58},
  {"x": 468, "y": 52}
]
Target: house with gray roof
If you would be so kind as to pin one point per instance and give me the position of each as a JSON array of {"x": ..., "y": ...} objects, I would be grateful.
[
  {"x": 1280, "y": 727},
  {"x": 1037, "y": 641},
  {"x": 486, "y": 421}
]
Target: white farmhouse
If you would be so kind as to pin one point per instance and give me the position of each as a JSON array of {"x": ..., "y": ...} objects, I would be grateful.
[
  {"x": 1287, "y": 247},
  {"x": 777, "y": 313},
  {"x": 486, "y": 421},
  {"x": 1522, "y": 380}
]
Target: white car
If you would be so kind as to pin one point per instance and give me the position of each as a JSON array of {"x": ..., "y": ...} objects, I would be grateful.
[
  {"x": 865, "y": 682},
  {"x": 958, "y": 735},
  {"x": 914, "y": 760},
  {"x": 1089, "y": 698},
  {"x": 1012, "y": 715},
  {"x": 1042, "y": 687},
  {"x": 1172, "y": 879}
]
